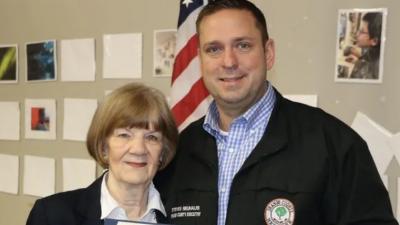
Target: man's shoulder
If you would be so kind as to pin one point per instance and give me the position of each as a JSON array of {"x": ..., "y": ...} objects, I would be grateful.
[
  {"x": 314, "y": 118},
  {"x": 307, "y": 112},
  {"x": 194, "y": 127}
]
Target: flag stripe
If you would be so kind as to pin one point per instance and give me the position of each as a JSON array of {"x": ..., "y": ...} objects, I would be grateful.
[
  {"x": 189, "y": 97},
  {"x": 197, "y": 113},
  {"x": 189, "y": 103},
  {"x": 184, "y": 57},
  {"x": 186, "y": 30},
  {"x": 184, "y": 82}
]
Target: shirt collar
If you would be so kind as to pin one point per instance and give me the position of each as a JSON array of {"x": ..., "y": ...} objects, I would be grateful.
[
  {"x": 111, "y": 209},
  {"x": 258, "y": 112},
  {"x": 251, "y": 116}
]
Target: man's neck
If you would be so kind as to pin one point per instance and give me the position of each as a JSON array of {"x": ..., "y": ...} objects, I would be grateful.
[{"x": 229, "y": 112}]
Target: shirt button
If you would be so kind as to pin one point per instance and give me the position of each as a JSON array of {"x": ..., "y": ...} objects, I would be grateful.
[
  {"x": 223, "y": 190},
  {"x": 231, "y": 150}
]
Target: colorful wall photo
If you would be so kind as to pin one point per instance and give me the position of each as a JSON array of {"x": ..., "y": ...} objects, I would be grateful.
[
  {"x": 164, "y": 52},
  {"x": 40, "y": 119},
  {"x": 360, "y": 45},
  {"x": 8, "y": 63},
  {"x": 41, "y": 61}
]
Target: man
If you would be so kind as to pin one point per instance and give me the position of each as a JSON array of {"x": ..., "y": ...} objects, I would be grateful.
[
  {"x": 368, "y": 47},
  {"x": 256, "y": 157}
]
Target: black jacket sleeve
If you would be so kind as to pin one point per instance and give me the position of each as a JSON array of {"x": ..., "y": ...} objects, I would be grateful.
[
  {"x": 363, "y": 199},
  {"x": 37, "y": 216}
]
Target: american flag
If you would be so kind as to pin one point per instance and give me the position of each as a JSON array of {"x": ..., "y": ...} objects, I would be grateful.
[{"x": 189, "y": 97}]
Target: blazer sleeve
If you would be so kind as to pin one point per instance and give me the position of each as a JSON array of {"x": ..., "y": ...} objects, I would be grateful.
[{"x": 37, "y": 216}]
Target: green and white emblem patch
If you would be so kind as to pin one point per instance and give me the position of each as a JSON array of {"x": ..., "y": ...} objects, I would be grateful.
[{"x": 279, "y": 211}]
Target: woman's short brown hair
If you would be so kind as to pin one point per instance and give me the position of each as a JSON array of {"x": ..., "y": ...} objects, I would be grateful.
[{"x": 132, "y": 105}]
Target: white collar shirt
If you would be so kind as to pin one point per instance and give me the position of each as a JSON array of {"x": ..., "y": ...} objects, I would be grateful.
[{"x": 110, "y": 208}]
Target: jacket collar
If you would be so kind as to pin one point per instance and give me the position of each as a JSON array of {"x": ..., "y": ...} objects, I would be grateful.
[
  {"x": 273, "y": 140},
  {"x": 89, "y": 203},
  {"x": 276, "y": 136},
  {"x": 204, "y": 145},
  {"x": 160, "y": 217}
]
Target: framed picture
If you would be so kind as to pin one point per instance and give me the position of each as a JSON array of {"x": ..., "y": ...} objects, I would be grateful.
[
  {"x": 8, "y": 63},
  {"x": 41, "y": 61},
  {"x": 164, "y": 52},
  {"x": 360, "y": 45},
  {"x": 40, "y": 119}
]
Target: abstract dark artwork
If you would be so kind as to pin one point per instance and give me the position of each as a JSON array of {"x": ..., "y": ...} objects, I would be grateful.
[
  {"x": 41, "y": 61},
  {"x": 8, "y": 64},
  {"x": 39, "y": 119}
]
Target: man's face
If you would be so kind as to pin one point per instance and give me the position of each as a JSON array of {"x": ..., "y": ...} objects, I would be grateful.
[
  {"x": 234, "y": 59},
  {"x": 364, "y": 40}
]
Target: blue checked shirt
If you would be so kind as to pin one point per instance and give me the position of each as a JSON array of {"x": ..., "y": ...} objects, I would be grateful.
[{"x": 236, "y": 145}]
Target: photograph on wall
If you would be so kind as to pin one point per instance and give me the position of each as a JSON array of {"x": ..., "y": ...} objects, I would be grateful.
[
  {"x": 41, "y": 61},
  {"x": 8, "y": 63},
  {"x": 40, "y": 118},
  {"x": 360, "y": 45},
  {"x": 164, "y": 52}
]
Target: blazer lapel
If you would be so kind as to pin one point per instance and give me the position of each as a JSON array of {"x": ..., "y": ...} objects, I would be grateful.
[
  {"x": 89, "y": 205},
  {"x": 160, "y": 217}
]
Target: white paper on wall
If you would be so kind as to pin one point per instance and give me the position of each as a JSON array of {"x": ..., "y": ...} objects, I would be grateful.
[
  {"x": 78, "y": 60},
  {"x": 39, "y": 176},
  {"x": 122, "y": 55},
  {"x": 78, "y": 114},
  {"x": 9, "y": 173},
  {"x": 9, "y": 120},
  {"x": 78, "y": 173}
]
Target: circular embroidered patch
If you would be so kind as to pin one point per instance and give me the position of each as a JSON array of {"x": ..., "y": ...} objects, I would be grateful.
[{"x": 279, "y": 211}]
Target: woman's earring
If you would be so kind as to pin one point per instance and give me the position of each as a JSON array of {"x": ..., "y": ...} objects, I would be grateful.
[
  {"x": 105, "y": 153},
  {"x": 161, "y": 157}
]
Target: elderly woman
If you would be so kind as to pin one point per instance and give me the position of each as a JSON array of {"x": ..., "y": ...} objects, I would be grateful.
[{"x": 133, "y": 135}]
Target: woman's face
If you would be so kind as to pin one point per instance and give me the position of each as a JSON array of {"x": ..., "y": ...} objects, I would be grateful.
[{"x": 134, "y": 155}]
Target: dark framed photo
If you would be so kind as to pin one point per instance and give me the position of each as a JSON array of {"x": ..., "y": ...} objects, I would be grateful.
[
  {"x": 41, "y": 61},
  {"x": 8, "y": 63}
]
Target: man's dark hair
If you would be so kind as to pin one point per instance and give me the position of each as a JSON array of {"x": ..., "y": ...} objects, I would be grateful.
[
  {"x": 218, "y": 5},
  {"x": 374, "y": 20}
]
